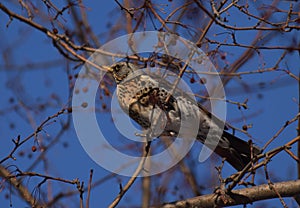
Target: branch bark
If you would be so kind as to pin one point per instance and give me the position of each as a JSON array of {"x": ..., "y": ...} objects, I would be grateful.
[
  {"x": 20, "y": 188},
  {"x": 241, "y": 196}
]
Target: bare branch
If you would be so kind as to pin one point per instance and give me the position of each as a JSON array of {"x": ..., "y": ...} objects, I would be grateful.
[
  {"x": 241, "y": 196},
  {"x": 20, "y": 188}
]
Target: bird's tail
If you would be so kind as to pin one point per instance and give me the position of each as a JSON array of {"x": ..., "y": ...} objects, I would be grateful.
[{"x": 238, "y": 152}]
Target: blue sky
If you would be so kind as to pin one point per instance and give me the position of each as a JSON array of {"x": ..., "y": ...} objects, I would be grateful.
[{"x": 269, "y": 108}]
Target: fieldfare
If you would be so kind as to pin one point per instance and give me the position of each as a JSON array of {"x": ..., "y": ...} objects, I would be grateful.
[{"x": 141, "y": 95}]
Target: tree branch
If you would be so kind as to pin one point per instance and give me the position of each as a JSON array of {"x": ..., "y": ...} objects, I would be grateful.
[
  {"x": 241, "y": 196},
  {"x": 22, "y": 190}
]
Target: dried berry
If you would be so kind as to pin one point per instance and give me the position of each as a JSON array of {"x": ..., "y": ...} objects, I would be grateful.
[{"x": 33, "y": 148}]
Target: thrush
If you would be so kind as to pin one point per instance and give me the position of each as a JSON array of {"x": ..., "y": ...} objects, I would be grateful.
[{"x": 153, "y": 102}]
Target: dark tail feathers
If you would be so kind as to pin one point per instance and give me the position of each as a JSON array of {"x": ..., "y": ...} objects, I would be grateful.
[{"x": 239, "y": 152}]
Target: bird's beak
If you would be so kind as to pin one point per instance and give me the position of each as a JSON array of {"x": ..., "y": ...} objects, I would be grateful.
[{"x": 107, "y": 68}]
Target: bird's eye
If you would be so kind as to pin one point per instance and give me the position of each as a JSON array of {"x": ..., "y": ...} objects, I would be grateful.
[{"x": 117, "y": 68}]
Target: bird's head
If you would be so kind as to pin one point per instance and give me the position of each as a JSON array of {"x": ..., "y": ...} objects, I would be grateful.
[{"x": 121, "y": 70}]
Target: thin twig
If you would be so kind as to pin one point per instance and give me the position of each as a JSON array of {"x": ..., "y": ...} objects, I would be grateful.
[
  {"x": 287, "y": 123},
  {"x": 22, "y": 190},
  {"x": 133, "y": 177},
  {"x": 87, "y": 204}
]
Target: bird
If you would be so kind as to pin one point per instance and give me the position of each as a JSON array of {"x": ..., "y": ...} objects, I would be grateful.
[{"x": 146, "y": 96}]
